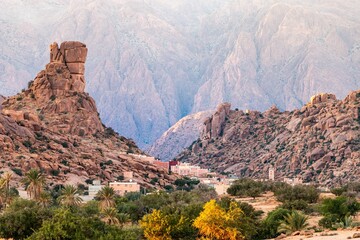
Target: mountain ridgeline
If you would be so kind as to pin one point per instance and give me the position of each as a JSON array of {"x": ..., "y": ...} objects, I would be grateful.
[
  {"x": 319, "y": 143},
  {"x": 54, "y": 126},
  {"x": 153, "y": 62}
]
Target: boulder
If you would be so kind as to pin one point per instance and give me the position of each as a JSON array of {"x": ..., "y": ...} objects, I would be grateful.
[
  {"x": 316, "y": 154},
  {"x": 356, "y": 235},
  {"x": 322, "y": 98}
]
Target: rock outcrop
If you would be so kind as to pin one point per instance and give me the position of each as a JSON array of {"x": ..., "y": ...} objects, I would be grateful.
[
  {"x": 2, "y": 98},
  {"x": 213, "y": 126},
  {"x": 54, "y": 126},
  {"x": 319, "y": 143}
]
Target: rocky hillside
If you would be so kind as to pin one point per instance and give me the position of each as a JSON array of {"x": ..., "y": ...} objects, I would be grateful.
[
  {"x": 179, "y": 136},
  {"x": 154, "y": 62},
  {"x": 319, "y": 143},
  {"x": 53, "y": 125}
]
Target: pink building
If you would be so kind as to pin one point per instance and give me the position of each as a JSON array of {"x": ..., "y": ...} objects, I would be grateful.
[
  {"x": 121, "y": 188},
  {"x": 185, "y": 169},
  {"x": 128, "y": 175}
]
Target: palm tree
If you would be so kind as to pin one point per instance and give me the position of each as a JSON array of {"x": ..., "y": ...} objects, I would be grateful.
[
  {"x": 292, "y": 222},
  {"x": 34, "y": 182},
  {"x": 5, "y": 188},
  {"x": 69, "y": 196},
  {"x": 123, "y": 218},
  {"x": 44, "y": 199},
  {"x": 107, "y": 197},
  {"x": 110, "y": 216}
]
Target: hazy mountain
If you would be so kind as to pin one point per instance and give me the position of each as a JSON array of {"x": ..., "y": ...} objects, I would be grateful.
[
  {"x": 180, "y": 136},
  {"x": 151, "y": 62}
]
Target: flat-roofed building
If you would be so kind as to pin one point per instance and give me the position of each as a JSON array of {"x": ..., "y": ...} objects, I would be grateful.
[
  {"x": 95, "y": 188},
  {"x": 121, "y": 188}
]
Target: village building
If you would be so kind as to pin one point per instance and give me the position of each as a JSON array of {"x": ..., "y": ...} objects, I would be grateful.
[{"x": 121, "y": 188}]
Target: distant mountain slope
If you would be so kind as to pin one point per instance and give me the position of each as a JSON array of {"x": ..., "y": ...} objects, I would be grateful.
[
  {"x": 179, "y": 136},
  {"x": 54, "y": 126},
  {"x": 319, "y": 143},
  {"x": 153, "y": 62}
]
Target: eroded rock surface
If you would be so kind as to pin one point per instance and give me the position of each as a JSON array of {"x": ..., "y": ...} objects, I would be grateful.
[
  {"x": 55, "y": 126},
  {"x": 319, "y": 143}
]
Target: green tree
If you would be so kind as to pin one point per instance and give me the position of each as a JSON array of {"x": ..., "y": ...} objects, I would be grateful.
[
  {"x": 34, "y": 182},
  {"x": 269, "y": 226},
  {"x": 292, "y": 222},
  {"x": 70, "y": 196},
  {"x": 246, "y": 188},
  {"x": 336, "y": 210},
  {"x": 298, "y": 192},
  {"x": 21, "y": 218}
]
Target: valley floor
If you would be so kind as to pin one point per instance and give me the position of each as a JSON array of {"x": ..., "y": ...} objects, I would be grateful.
[{"x": 267, "y": 203}]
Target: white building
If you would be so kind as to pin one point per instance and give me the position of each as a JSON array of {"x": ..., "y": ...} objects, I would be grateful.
[
  {"x": 271, "y": 173},
  {"x": 95, "y": 188}
]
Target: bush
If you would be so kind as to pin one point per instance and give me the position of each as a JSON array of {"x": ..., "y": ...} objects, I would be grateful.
[
  {"x": 269, "y": 226},
  {"x": 246, "y": 188},
  {"x": 300, "y": 205},
  {"x": 65, "y": 145},
  {"x": 17, "y": 171},
  {"x": 336, "y": 210},
  {"x": 186, "y": 183},
  {"x": 308, "y": 194}
]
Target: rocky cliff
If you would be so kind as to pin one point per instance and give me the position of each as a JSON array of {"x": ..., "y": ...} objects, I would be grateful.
[
  {"x": 53, "y": 125},
  {"x": 179, "y": 136},
  {"x": 154, "y": 62},
  {"x": 319, "y": 143}
]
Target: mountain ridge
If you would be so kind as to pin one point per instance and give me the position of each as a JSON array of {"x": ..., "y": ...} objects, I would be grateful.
[
  {"x": 318, "y": 143},
  {"x": 165, "y": 60}
]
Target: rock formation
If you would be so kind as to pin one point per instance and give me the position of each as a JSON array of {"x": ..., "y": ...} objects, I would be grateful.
[
  {"x": 319, "y": 143},
  {"x": 54, "y": 126},
  {"x": 278, "y": 52},
  {"x": 2, "y": 98},
  {"x": 213, "y": 126}
]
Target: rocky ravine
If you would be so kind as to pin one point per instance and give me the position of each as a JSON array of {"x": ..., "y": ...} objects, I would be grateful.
[
  {"x": 54, "y": 126},
  {"x": 179, "y": 136},
  {"x": 319, "y": 143}
]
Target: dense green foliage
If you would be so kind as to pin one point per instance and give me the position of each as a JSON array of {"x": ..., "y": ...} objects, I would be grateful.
[
  {"x": 66, "y": 224},
  {"x": 292, "y": 222},
  {"x": 186, "y": 183},
  {"x": 287, "y": 193},
  {"x": 21, "y": 218},
  {"x": 350, "y": 189},
  {"x": 193, "y": 212},
  {"x": 247, "y": 188},
  {"x": 269, "y": 226},
  {"x": 336, "y": 210}
]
